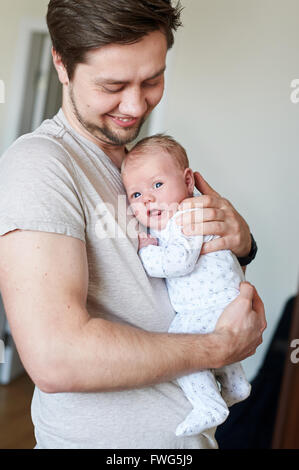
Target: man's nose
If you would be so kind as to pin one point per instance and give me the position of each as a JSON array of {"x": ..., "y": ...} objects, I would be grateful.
[{"x": 133, "y": 102}]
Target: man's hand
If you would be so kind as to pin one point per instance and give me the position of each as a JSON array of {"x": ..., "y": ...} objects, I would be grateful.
[
  {"x": 217, "y": 217},
  {"x": 240, "y": 327},
  {"x": 146, "y": 240}
]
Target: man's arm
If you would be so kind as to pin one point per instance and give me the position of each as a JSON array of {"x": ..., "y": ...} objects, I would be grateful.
[{"x": 44, "y": 285}]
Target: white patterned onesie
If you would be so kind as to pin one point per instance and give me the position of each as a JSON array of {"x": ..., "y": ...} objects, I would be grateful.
[{"x": 199, "y": 287}]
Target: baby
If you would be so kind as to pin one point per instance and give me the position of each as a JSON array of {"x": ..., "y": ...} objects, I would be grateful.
[{"x": 157, "y": 179}]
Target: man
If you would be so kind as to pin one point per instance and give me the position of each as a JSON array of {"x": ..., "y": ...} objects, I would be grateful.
[{"x": 90, "y": 326}]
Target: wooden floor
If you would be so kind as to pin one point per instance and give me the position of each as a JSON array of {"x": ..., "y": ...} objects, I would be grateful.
[{"x": 16, "y": 429}]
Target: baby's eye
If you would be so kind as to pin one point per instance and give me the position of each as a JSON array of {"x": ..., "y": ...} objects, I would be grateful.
[
  {"x": 158, "y": 185},
  {"x": 136, "y": 195}
]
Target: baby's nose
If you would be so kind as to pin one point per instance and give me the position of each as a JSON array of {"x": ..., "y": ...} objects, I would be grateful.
[{"x": 148, "y": 198}]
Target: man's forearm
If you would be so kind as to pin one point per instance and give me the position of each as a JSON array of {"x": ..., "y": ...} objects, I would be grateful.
[{"x": 105, "y": 356}]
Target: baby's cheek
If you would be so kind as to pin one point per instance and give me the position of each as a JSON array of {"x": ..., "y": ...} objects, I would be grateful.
[
  {"x": 140, "y": 213},
  {"x": 135, "y": 208}
]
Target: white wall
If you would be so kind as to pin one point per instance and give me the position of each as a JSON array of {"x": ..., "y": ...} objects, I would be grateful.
[{"x": 229, "y": 105}]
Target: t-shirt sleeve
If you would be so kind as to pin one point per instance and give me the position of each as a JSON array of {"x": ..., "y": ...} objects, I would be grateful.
[{"x": 39, "y": 189}]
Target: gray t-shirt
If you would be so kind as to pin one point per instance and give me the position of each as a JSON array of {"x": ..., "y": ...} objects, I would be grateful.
[{"x": 55, "y": 180}]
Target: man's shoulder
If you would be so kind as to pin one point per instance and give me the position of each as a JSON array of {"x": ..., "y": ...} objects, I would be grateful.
[
  {"x": 47, "y": 141},
  {"x": 50, "y": 128}
]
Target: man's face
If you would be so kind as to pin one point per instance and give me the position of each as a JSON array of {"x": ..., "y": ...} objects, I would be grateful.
[{"x": 114, "y": 92}]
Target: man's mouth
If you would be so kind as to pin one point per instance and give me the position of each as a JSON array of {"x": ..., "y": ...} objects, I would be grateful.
[{"x": 123, "y": 121}]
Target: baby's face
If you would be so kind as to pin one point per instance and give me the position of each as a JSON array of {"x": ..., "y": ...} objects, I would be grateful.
[{"x": 155, "y": 187}]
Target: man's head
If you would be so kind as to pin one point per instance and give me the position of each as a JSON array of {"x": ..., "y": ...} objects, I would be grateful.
[
  {"x": 78, "y": 26},
  {"x": 110, "y": 56},
  {"x": 157, "y": 179}
]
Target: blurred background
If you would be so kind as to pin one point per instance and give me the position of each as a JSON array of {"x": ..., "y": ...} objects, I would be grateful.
[{"x": 228, "y": 101}]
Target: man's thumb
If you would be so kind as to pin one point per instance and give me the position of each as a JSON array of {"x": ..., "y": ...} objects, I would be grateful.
[
  {"x": 203, "y": 186},
  {"x": 247, "y": 290}
]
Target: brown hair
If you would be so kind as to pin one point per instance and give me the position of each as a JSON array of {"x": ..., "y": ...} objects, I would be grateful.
[
  {"x": 162, "y": 142},
  {"x": 77, "y": 26}
]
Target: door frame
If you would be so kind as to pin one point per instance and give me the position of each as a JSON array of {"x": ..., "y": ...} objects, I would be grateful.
[{"x": 28, "y": 26}]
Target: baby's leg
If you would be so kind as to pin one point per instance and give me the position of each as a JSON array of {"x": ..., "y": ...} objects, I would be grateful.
[
  {"x": 234, "y": 385},
  {"x": 209, "y": 408},
  {"x": 201, "y": 389}
]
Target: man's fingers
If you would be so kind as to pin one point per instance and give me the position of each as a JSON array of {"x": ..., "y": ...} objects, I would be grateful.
[
  {"x": 214, "y": 245},
  {"x": 212, "y": 203},
  {"x": 249, "y": 292},
  {"x": 200, "y": 216},
  {"x": 203, "y": 222},
  {"x": 206, "y": 228},
  {"x": 251, "y": 353},
  {"x": 142, "y": 235},
  {"x": 208, "y": 200},
  {"x": 258, "y": 306},
  {"x": 203, "y": 186}
]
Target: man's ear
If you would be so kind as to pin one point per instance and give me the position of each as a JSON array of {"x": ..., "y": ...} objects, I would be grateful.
[
  {"x": 60, "y": 68},
  {"x": 189, "y": 180}
]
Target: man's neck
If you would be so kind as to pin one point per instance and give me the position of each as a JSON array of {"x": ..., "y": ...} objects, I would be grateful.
[{"x": 114, "y": 152}]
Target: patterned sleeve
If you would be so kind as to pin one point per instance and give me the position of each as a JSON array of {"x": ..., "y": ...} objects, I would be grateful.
[{"x": 177, "y": 258}]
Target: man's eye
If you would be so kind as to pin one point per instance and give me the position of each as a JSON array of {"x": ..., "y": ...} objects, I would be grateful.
[
  {"x": 151, "y": 84},
  {"x": 112, "y": 89},
  {"x": 136, "y": 195},
  {"x": 154, "y": 82},
  {"x": 158, "y": 185}
]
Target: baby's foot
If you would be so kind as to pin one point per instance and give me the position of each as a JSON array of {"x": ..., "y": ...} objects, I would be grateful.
[
  {"x": 200, "y": 420},
  {"x": 234, "y": 394}
]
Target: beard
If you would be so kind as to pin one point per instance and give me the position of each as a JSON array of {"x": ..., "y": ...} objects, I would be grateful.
[{"x": 104, "y": 132}]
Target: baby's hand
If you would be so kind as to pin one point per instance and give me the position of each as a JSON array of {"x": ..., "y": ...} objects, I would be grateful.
[{"x": 146, "y": 240}]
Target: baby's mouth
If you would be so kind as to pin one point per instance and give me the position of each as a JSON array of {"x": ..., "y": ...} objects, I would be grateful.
[{"x": 154, "y": 213}]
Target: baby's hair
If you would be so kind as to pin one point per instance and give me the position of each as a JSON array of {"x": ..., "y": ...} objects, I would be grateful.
[{"x": 162, "y": 142}]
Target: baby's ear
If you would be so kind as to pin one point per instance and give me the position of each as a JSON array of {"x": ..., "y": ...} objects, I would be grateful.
[{"x": 189, "y": 180}]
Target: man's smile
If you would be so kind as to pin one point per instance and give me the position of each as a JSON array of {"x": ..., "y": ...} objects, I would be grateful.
[{"x": 123, "y": 121}]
